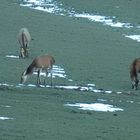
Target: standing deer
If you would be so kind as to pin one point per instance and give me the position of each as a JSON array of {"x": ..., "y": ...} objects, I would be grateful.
[
  {"x": 24, "y": 39},
  {"x": 39, "y": 64},
  {"x": 134, "y": 70}
]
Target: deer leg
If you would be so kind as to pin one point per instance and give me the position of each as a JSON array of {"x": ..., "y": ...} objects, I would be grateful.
[
  {"x": 38, "y": 77},
  {"x": 133, "y": 86},
  {"x": 51, "y": 77},
  {"x": 22, "y": 52},
  {"x": 45, "y": 77},
  {"x": 26, "y": 51},
  {"x": 136, "y": 84},
  {"x": 133, "y": 83}
]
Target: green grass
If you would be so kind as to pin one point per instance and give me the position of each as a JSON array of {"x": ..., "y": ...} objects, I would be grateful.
[
  {"x": 90, "y": 53},
  {"x": 40, "y": 114}
]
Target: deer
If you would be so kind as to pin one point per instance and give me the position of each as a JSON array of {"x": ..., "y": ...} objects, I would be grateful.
[
  {"x": 39, "y": 64},
  {"x": 24, "y": 39},
  {"x": 134, "y": 71}
]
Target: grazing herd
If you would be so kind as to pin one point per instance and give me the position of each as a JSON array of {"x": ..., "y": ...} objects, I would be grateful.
[
  {"x": 45, "y": 62},
  {"x": 39, "y": 64}
]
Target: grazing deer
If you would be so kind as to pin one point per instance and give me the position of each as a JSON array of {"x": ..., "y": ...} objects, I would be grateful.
[
  {"x": 134, "y": 70},
  {"x": 24, "y": 39},
  {"x": 40, "y": 63}
]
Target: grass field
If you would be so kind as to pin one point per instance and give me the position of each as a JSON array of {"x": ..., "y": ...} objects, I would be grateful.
[{"x": 90, "y": 53}]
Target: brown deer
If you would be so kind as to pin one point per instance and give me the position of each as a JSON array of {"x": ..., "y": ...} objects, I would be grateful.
[
  {"x": 39, "y": 64},
  {"x": 24, "y": 39},
  {"x": 134, "y": 70}
]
